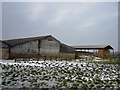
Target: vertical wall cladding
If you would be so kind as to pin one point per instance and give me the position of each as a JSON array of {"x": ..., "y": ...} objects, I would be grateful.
[
  {"x": 49, "y": 46},
  {"x": 67, "y": 52},
  {"x": 0, "y": 49},
  {"x": 66, "y": 49},
  {"x": 30, "y": 47},
  {"x": 4, "y": 50},
  {"x": 100, "y": 53}
]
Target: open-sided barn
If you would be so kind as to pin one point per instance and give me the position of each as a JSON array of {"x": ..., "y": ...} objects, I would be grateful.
[
  {"x": 37, "y": 47},
  {"x": 102, "y": 51}
]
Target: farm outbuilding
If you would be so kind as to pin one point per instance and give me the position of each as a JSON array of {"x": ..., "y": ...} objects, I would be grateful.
[
  {"x": 39, "y": 47},
  {"x": 102, "y": 51}
]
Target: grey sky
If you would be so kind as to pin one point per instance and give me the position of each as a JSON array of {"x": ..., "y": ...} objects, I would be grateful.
[{"x": 78, "y": 23}]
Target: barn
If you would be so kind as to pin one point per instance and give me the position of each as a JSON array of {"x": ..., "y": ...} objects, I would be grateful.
[
  {"x": 46, "y": 47},
  {"x": 102, "y": 51}
]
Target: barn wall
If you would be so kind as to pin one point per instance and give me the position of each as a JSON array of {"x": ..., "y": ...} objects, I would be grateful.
[
  {"x": 28, "y": 47},
  {"x": 4, "y": 50},
  {"x": 0, "y": 49},
  {"x": 5, "y": 53},
  {"x": 0, "y": 53},
  {"x": 66, "y": 49},
  {"x": 49, "y": 46},
  {"x": 104, "y": 53}
]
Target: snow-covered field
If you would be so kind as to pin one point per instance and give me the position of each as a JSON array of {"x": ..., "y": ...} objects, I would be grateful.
[{"x": 58, "y": 74}]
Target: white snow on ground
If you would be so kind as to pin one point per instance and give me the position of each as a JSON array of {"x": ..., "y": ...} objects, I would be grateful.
[
  {"x": 58, "y": 74},
  {"x": 7, "y": 61}
]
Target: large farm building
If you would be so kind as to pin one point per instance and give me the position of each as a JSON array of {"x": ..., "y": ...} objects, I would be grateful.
[
  {"x": 36, "y": 47},
  {"x": 48, "y": 47}
]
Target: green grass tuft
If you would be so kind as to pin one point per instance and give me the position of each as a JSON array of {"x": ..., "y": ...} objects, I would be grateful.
[{"x": 113, "y": 61}]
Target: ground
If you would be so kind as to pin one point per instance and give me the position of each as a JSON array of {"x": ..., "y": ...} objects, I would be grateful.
[{"x": 59, "y": 74}]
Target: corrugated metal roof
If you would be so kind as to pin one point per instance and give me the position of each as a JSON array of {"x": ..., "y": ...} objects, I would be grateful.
[
  {"x": 13, "y": 42},
  {"x": 93, "y": 47}
]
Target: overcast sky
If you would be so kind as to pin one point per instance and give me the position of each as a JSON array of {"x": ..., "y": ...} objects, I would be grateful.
[{"x": 78, "y": 23}]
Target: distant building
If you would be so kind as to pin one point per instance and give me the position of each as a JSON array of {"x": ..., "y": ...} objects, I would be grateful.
[
  {"x": 39, "y": 47},
  {"x": 102, "y": 51}
]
